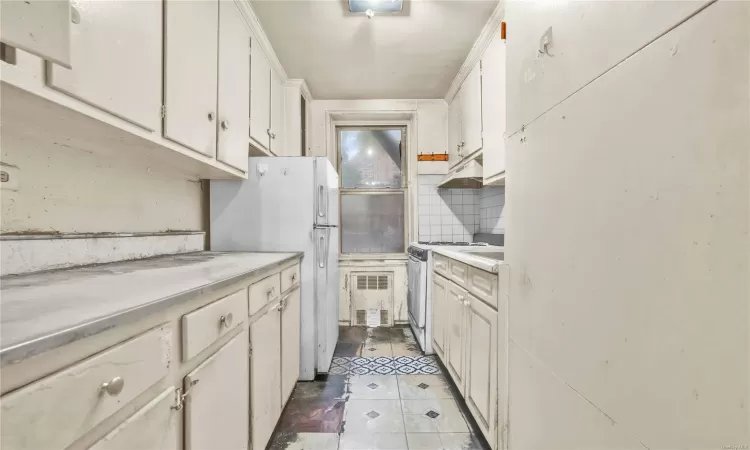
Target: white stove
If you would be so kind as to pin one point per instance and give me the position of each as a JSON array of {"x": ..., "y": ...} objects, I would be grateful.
[{"x": 419, "y": 294}]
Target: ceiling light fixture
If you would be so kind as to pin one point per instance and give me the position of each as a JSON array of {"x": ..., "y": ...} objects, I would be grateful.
[{"x": 372, "y": 7}]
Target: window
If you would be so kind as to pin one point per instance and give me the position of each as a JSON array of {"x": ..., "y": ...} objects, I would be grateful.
[{"x": 373, "y": 194}]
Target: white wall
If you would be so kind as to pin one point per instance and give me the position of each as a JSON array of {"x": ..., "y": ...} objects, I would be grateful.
[
  {"x": 628, "y": 227},
  {"x": 68, "y": 190},
  {"x": 492, "y": 210}
]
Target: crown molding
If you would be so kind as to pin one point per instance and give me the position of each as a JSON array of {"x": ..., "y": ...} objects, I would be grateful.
[
  {"x": 477, "y": 50},
  {"x": 299, "y": 82},
  {"x": 260, "y": 37}
]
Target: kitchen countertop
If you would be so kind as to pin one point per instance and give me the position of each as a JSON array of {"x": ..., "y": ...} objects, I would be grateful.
[
  {"x": 487, "y": 263},
  {"x": 46, "y": 310}
]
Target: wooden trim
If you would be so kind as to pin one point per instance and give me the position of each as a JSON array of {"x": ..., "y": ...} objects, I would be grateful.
[
  {"x": 260, "y": 37},
  {"x": 485, "y": 37}
]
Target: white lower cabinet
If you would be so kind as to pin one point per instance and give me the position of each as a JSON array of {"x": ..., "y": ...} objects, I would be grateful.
[
  {"x": 465, "y": 337},
  {"x": 216, "y": 408},
  {"x": 439, "y": 298},
  {"x": 481, "y": 366},
  {"x": 153, "y": 427},
  {"x": 456, "y": 329},
  {"x": 290, "y": 343},
  {"x": 265, "y": 368}
]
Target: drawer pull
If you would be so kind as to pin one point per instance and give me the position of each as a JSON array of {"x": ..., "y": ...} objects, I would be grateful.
[
  {"x": 226, "y": 321},
  {"x": 113, "y": 387},
  {"x": 294, "y": 278},
  {"x": 271, "y": 292}
]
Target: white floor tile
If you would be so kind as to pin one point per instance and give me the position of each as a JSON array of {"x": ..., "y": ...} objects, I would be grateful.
[
  {"x": 443, "y": 414},
  {"x": 423, "y": 387},
  {"x": 373, "y": 416},
  {"x": 424, "y": 441},
  {"x": 380, "y": 387},
  {"x": 373, "y": 441},
  {"x": 314, "y": 441}
]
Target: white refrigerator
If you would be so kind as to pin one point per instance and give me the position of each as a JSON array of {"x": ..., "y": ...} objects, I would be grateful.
[{"x": 289, "y": 204}]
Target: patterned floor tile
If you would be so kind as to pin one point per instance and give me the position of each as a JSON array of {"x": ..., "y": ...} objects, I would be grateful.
[
  {"x": 418, "y": 387},
  {"x": 435, "y": 415},
  {"x": 378, "y": 387},
  {"x": 373, "y": 416}
]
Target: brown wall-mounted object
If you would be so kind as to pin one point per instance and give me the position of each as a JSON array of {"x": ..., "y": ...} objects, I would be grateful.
[{"x": 433, "y": 157}]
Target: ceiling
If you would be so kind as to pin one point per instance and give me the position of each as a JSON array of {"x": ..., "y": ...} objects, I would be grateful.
[{"x": 345, "y": 56}]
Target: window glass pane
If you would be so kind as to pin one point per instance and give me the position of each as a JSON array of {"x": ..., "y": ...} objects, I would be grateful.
[
  {"x": 372, "y": 223},
  {"x": 371, "y": 158}
]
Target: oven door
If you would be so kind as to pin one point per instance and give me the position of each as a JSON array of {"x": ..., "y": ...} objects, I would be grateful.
[{"x": 415, "y": 294}]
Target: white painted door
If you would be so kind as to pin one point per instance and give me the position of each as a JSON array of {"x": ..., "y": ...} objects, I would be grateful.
[
  {"x": 190, "y": 61},
  {"x": 290, "y": 343},
  {"x": 116, "y": 54},
  {"x": 456, "y": 305},
  {"x": 265, "y": 374},
  {"x": 493, "y": 108},
  {"x": 41, "y": 27},
  {"x": 234, "y": 86},
  {"x": 471, "y": 111},
  {"x": 154, "y": 426},
  {"x": 454, "y": 130},
  {"x": 277, "y": 116},
  {"x": 439, "y": 299},
  {"x": 481, "y": 367},
  {"x": 260, "y": 98},
  {"x": 217, "y": 408}
]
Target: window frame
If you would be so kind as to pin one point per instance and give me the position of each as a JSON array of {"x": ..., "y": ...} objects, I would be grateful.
[{"x": 404, "y": 189}]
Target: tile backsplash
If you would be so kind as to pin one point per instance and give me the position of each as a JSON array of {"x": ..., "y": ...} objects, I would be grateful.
[
  {"x": 456, "y": 214},
  {"x": 446, "y": 214},
  {"x": 491, "y": 210}
]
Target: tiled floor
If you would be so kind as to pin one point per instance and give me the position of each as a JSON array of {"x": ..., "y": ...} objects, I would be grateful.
[{"x": 382, "y": 393}]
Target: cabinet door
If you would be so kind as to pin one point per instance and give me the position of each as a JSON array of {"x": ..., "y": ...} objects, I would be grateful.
[
  {"x": 290, "y": 344},
  {"x": 154, "y": 427},
  {"x": 439, "y": 299},
  {"x": 456, "y": 305},
  {"x": 116, "y": 54},
  {"x": 265, "y": 376},
  {"x": 278, "y": 144},
  {"x": 234, "y": 86},
  {"x": 481, "y": 366},
  {"x": 41, "y": 27},
  {"x": 260, "y": 98},
  {"x": 216, "y": 413},
  {"x": 190, "y": 60},
  {"x": 493, "y": 108},
  {"x": 454, "y": 130},
  {"x": 471, "y": 112}
]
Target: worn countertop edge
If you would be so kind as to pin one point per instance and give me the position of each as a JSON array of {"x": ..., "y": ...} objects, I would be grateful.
[
  {"x": 40, "y": 344},
  {"x": 486, "y": 264},
  {"x": 61, "y": 236}
]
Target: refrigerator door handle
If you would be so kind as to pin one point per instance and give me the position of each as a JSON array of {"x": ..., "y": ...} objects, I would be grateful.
[
  {"x": 321, "y": 245},
  {"x": 320, "y": 201}
]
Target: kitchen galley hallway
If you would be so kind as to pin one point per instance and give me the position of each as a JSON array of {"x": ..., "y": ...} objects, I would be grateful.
[{"x": 381, "y": 393}]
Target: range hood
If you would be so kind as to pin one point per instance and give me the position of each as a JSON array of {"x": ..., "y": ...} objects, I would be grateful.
[{"x": 466, "y": 176}]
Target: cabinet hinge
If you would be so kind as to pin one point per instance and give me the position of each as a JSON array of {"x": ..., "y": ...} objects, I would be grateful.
[
  {"x": 163, "y": 111},
  {"x": 250, "y": 350}
]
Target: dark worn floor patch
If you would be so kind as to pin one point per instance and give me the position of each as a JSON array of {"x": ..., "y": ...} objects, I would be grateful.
[
  {"x": 316, "y": 407},
  {"x": 348, "y": 349}
]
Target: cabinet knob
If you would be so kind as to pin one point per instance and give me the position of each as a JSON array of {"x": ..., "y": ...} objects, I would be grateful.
[
  {"x": 210, "y": 117},
  {"x": 268, "y": 131},
  {"x": 226, "y": 320},
  {"x": 113, "y": 387},
  {"x": 225, "y": 125},
  {"x": 294, "y": 277}
]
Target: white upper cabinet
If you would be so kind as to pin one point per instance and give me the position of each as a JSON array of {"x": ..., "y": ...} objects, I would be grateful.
[
  {"x": 40, "y": 27},
  {"x": 471, "y": 112},
  {"x": 190, "y": 82},
  {"x": 277, "y": 116},
  {"x": 116, "y": 58},
  {"x": 234, "y": 86},
  {"x": 260, "y": 98},
  {"x": 585, "y": 40},
  {"x": 493, "y": 108},
  {"x": 454, "y": 130}
]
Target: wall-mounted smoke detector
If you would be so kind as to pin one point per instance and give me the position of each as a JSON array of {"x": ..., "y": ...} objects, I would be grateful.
[{"x": 372, "y": 7}]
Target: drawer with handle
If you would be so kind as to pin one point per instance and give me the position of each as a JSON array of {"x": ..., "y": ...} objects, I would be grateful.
[
  {"x": 440, "y": 264},
  {"x": 264, "y": 291},
  {"x": 458, "y": 272},
  {"x": 206, "y": 325},
  {"x": 289, "y": 278},
  {"x": 483, "y": 285},
  {"x": 56, "y": 410}
]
